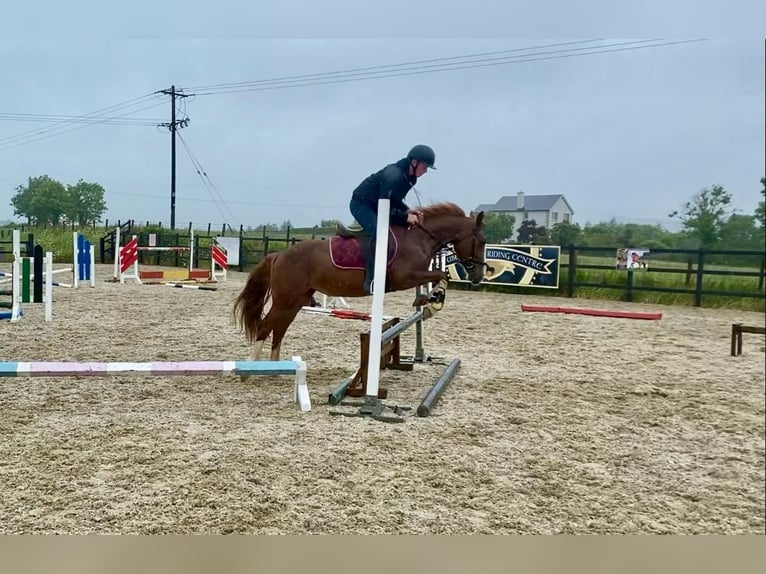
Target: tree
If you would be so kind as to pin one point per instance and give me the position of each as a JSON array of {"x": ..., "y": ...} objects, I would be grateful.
[
  {"x": 530, "y": 232},
  {"x": 704, "y": 216},
  {"x": 86, "y": 203},
  {"x": 28, "y": 201},
  {"x": 760, "y": 211},
  {"x": 47, "y": 201},
  {"x": 565, "y": 234},
  {"x": 604, "y": 233},
  {"x": 740, "y": 232},
  {"x": 44, "y": 200},
  {"x": 498, "y": 227}
]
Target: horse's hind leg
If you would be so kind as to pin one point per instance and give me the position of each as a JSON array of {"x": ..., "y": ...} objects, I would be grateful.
[
  {"x": 284, "y": 320},
  {"x": 281, "y": 325},
  {"x": 264, "y": 329}
]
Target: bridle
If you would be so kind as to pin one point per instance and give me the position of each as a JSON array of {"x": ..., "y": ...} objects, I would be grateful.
[{"x": 472, "y": 261}]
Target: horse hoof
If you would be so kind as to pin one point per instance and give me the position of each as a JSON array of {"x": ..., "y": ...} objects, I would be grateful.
[
  {"x": 436, "y": 307},
  {"x": 437, "y": 296}
]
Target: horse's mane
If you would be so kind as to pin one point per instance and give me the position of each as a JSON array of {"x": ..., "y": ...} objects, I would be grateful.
[{"x": 445, "y": 208}]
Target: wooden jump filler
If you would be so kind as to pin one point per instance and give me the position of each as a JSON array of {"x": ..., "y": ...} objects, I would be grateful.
[{"x": 391, "y": 358}]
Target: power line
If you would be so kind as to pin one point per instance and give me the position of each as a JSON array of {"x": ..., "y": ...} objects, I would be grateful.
[
  {"x": 383, "y": 66},
  {"x": 78, "y": 122},
  {"x": 408, "y": 69},
  {"x": 469, "y": 61},
  {"x": 205, "y": 179},
  {"x": 59, "y": 118}
]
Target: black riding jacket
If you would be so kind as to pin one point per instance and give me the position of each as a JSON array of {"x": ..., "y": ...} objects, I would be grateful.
[{"x": 392, "y": 182}]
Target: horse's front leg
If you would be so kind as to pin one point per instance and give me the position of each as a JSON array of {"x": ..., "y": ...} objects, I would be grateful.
[{"x": 435, "y": 298}]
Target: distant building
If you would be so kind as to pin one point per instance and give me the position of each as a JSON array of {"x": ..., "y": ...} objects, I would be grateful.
[{"x": 546, "y": 210}]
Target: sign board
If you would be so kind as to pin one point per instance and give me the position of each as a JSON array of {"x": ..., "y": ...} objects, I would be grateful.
[{"x": 514, "y": 265}]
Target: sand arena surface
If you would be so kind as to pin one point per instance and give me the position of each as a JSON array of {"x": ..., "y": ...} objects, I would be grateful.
[{"x": 554, "y": 423}]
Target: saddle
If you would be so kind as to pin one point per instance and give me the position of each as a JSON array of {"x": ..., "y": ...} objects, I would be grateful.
[
  {"x": 343, "y": 231},
  {"x": 345, "y": 248}
]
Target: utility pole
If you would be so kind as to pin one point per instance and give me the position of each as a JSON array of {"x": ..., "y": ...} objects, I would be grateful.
[{"x": 173, "y": 126}]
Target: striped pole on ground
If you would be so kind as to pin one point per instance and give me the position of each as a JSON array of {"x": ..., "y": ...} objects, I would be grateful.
[{"x": 296, "y": 367}]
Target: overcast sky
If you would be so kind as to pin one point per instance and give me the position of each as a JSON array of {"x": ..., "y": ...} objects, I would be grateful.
[{"x": 629, "y": 134}]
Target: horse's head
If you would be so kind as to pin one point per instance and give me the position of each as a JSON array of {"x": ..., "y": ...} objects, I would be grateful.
[
  {"x": 446, "y": 223},
  {"x": 469, "y": 248}
]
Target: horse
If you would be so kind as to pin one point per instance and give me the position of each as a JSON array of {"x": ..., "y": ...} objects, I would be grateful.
[{"x": 336, "y": 268}]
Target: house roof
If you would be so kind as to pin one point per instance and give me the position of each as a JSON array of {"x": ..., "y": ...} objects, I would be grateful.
[{"x": 531, "y": 203}]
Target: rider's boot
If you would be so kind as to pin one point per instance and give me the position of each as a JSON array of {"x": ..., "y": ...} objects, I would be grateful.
[{"x": 368, "y": 251}]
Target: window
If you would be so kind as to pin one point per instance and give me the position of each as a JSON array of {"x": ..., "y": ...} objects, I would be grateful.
[
  {"x": 555, "y": 217},
  {"x": 567, "y": 217}
]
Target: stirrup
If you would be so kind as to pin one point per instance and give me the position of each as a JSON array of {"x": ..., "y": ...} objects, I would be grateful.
[{"x": 344, "y": 231}]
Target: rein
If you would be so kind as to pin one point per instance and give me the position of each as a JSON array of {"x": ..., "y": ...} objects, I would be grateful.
[{"x": 469, "y": 263}]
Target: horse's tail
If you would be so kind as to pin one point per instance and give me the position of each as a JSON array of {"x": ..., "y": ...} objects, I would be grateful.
[{"x": 250, "y": 303}]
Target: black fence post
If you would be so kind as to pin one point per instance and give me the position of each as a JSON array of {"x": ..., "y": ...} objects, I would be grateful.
[
  {"x": 629, "y": 286},
  {"x": 572, "y": 271},
  {"x": 700, "y": 272},
  {"x": 241, "y": 247},
  {"x": 30, "y": 247}
]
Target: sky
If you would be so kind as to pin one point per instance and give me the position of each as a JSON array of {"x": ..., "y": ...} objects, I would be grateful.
[{"x": 623, "y": 127}]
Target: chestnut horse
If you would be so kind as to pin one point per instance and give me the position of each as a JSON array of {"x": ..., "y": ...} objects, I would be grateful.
[{"x": 292, "y": 276}]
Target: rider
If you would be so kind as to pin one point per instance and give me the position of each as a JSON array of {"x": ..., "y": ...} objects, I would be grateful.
[{"x": 393, "y": 182}]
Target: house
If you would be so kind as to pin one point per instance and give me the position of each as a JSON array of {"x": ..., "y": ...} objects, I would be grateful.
[{"x": 546, "y": 210}]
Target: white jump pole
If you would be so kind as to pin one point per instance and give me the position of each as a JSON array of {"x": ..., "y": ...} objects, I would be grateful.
[{"x": 378, "y": 294}]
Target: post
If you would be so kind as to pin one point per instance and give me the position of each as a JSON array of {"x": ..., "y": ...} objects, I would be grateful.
[
  {"x": 116, "y": 248},
  {"x": 419, "y": 355},
  {"x": 75, "y": 260},
  {"x": 378, "y": 295},
  {"x": 700, "y": 275},
  {"x": 48, "y": 298},
  {"x": 172, "y": 157},
  {"x": 572, "y": 271},
  {"x": 191, "y": 249},
  {"x": 629, "y": 287}
]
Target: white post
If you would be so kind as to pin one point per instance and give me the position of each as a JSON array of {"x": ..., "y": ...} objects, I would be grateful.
[
  {"x": 48, "y": 297},
  {"x": 16, "y": 283},
  {"x": 75, "y": 262},
  {"x": 378, "y": 294},
  {"x": 301, "y": 395},
  {"x": 117, "y": 253},
  {"x": 92, "y": 265},
  {"x": 16, "y": 243},
  {"x": 191, "y": 251}
]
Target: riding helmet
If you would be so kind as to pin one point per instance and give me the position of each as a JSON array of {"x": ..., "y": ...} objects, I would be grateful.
[{"x": 424, "y": 154}]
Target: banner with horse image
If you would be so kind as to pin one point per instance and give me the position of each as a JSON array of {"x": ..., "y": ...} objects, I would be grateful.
[
  {"x": 632, "y": 259},
  {"x": 514, "y": 265}
]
